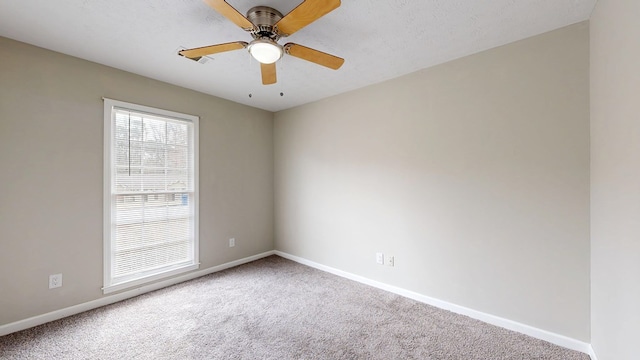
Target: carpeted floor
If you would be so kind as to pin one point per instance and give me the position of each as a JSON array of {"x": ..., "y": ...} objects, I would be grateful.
[{"x": 273, "y": 309}]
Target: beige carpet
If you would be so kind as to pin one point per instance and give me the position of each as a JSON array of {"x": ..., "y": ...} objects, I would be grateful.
[{"x": 273, "y": 309}]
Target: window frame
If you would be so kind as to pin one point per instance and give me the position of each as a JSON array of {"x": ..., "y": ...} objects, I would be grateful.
[{"x": 108, "y": 179}]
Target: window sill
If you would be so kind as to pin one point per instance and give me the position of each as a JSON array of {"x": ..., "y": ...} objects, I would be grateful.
[{"x": 148, "y": 279}]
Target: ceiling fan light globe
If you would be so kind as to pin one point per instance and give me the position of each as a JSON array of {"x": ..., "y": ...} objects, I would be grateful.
[{"x": 265, "y": 52}]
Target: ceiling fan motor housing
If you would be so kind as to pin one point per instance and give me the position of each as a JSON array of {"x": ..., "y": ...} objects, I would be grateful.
[{"x": 264, "y": 18}]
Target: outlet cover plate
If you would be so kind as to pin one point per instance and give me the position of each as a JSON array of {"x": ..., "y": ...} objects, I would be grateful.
[{"x": 55, "y": 281}]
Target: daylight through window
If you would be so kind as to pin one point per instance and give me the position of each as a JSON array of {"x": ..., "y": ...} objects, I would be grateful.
[{"x": 150, "y": 194}]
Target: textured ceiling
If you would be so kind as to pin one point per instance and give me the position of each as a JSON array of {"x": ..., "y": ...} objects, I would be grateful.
[{"x": 379, "y": 39}]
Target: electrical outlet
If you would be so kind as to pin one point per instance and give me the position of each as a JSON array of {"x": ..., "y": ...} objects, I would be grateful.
[
  {"x": 55, "y": 281},
  {"x": 232, "y": 242},
  {"x": 380, "y": 258},
  {"x": 389, "y": 260}
]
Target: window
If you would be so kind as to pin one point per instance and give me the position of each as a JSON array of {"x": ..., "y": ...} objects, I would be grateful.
[{"x": 150, "y": 194}]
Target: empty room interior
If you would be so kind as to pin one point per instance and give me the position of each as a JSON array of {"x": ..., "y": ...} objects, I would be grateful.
[{"x": 479, "y": 158}]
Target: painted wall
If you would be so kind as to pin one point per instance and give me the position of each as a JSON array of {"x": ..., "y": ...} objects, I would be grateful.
[
  {"x": 474, "y": 174},
  {"x": 51, "y": 174},
  {"x": 615, "y": 179}
]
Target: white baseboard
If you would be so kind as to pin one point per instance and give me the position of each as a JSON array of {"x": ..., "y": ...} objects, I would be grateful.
[
  {"x": 110, "y": 299},
  {"x": 592, "y": 353},
  {"x": 553, "y": 338}
]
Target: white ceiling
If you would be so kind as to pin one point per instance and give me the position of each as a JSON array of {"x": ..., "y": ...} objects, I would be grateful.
[{"x": 379, "y": 39}]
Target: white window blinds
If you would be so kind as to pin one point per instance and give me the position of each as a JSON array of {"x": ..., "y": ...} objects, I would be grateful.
[{"x": 151, "y": 217}]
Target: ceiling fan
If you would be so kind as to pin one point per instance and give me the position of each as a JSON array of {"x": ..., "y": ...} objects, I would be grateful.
[{"x": 267, "y": 25}]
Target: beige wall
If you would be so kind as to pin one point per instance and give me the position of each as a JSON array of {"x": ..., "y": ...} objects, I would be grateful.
[
  {"x": 51, "y": 144},
  {"x": 474, "y": 174},
  {"x": 615, "y": 179}
]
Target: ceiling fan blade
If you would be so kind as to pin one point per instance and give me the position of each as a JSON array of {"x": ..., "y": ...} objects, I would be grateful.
[
  {"x": 230, "y": 13},
  {"x": 315, "y": 56},
  {"x": 268, "y": 73},
  {"x": 304, "y": 14},
  {"x": 213, "y": 49}
]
